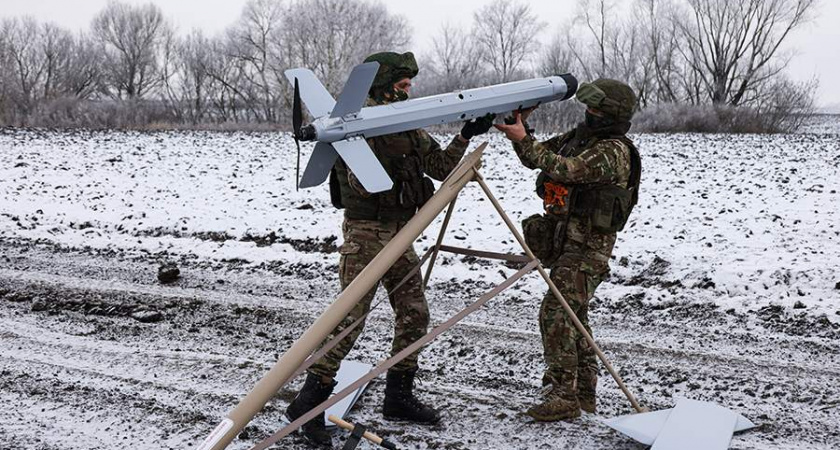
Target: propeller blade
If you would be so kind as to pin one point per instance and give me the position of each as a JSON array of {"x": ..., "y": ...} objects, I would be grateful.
[
  {"x": 297, "y": 122},
  {"x": 297, "y": 112}
]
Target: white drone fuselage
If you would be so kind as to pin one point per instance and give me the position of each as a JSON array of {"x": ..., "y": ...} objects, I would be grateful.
[
  {"x": 440, "y": 109},
  {"x": 340, "y": 128}
]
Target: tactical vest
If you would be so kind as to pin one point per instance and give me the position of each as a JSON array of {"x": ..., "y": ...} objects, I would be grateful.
[
  {"x": 399, "y": 157},
  {"x": 605, "y": 206}
]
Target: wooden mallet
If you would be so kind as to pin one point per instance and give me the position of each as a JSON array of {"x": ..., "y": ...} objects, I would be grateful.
[{"x": 358, "y": 432}]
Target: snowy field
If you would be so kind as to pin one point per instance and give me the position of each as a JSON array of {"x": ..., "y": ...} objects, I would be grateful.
[{"x": 725, "y": 287}]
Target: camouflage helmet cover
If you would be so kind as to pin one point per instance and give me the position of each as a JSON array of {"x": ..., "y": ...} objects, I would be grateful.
[
  {"x": 612, "y": 97},
  {"x": 392, "y": 68}
]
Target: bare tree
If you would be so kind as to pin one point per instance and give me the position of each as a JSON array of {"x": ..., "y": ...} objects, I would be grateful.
[
  {"x": 332, "y": 36},
  {"x": 26, "y": 63},
  {"x": 80, "y": 74},
  {"x": 655, "y": 18},
  {"x": 5, "y": 76},
  {"x": 706, "y": 53},
  {"x": 602, "y": 42},
  {"x": 787, "y": 105},
  {"x": 132, "y": 36},
  {"x": 595, "y": 17},
  {"x": 455, "y": 61},
  {"x": 251, "y": 42},
  {"x": 606, "y": 42},
  {"x": 557, "y": 58},
  {"x": 506, "y": 32},
  {"x": 193, "y": 62},
  {"x": 40, "y": 63},
  {"x": 192, "y": 77},
  {"x": 630, "y": 59},
  {"x": 733, "y": 47},
  {"x": 229, "y": 94},
  {"x": 56, "y": 48}
]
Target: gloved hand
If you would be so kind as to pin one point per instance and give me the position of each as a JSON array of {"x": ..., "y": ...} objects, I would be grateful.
[{"x": 477, "y": 126}]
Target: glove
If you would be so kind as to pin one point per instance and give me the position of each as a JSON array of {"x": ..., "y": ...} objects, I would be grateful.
[{"x": 477, "y": 126}]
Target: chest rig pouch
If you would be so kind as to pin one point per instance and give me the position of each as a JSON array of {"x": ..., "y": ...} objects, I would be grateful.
[
  {"x": 540, "y": 231},
  {"x": 412, "y": 189},
  {"x": 605, "y": 207},
  {"x": 608, "y": 207},
  {"x": 544, "y": 232}
]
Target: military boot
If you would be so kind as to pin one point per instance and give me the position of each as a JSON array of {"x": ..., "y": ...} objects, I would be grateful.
[
  {"x": 586, "y": 383},
  {"x": 400, "y": 402},
  {"x": 561, "y": 402},
  {"x": 313, "y": 393}
]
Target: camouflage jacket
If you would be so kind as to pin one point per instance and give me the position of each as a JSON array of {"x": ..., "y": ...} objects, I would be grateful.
[
  {"x": 581, "y": 165},
  {"x": 581, "y": 162}
]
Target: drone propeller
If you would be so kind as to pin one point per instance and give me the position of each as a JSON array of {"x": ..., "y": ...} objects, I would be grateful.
[{"x": 297, "y": 122}]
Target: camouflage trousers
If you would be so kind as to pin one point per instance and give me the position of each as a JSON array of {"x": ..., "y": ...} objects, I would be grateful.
[
  {"x": 363, "y": 240},
  {"x": 568, "y": 355}
]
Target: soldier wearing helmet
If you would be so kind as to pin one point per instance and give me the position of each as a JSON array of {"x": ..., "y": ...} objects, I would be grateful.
[
  {"x": 370, "y": 222},
  {"x": 589, "y": 180}
]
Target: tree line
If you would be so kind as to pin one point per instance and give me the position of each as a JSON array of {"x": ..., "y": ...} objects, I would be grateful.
[{"x": 711, "y": 62}]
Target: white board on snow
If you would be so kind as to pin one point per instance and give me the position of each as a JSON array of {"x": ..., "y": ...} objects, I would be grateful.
[
  {"x": 645, "y": 427},
  {"x": 348, "y": 373},
  {"x": 696, "y": 425}
]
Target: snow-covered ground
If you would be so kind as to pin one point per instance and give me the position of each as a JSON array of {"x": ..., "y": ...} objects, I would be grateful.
[
  {"x": 756, "y": 217},
  {"x": 728, "y": 272}
]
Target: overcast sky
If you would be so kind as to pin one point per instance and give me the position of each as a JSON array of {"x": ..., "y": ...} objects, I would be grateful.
[{"x": 817, "y": 44}]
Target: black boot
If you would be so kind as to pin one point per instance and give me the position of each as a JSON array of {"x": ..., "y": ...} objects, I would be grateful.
[
  {"x": 313, "y": 393},
  {"x": 400, "y": 402}
]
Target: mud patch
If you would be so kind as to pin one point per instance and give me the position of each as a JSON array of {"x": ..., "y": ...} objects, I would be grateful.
[
  {"x": 781, "y": 319},
  {"x": 311, "y": 245},
  {"x": 653, "y": 275}
]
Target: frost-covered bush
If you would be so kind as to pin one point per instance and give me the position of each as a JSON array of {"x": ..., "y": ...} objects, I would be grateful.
[
  {"x": 69, "y": 112},
  {"x": 783, "y": 108},
  {"x": 671, "y": 117}
]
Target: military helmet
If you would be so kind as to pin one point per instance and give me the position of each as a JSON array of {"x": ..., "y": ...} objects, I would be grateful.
[
  {"x": 393, "y": 67},
  {"x": 614, "y": 98}
]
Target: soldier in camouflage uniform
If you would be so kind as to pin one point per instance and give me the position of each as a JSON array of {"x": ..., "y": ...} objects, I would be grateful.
[
  {"x": 370, "y": 222},
  {"x": 589, "y": 184}
]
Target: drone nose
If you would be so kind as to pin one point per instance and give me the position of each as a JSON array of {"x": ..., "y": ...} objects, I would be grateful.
[{"x": 571, "y": 85}]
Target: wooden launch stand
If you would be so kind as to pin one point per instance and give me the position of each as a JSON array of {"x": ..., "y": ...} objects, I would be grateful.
[{"x": 303, "y": 349}]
